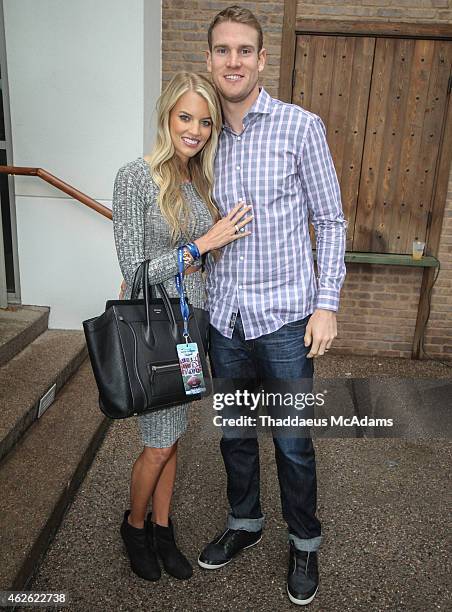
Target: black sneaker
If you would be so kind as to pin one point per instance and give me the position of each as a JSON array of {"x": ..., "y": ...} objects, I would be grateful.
[
  {"x": 226, "y": 546},
  {"x": 302, "y": 577},
  {"x": 143, "y": 559}
]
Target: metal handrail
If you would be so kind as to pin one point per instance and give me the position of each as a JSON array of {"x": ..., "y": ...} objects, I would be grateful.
[{"x": 59, "y": 184}]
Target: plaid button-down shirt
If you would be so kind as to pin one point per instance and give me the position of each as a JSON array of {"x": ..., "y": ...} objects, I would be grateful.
[{"x": 282, "y": 166}]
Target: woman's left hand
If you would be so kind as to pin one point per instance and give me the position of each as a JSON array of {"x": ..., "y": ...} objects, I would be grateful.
[{"x": 191, "y": 269}]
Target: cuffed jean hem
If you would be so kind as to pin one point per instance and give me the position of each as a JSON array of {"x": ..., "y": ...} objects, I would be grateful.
[
  {"x": 252, "y": 525},
  {"x": 311, "y": 545}
]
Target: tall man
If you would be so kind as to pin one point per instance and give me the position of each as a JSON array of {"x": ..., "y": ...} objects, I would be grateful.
[{"x": 269, "y": 314}]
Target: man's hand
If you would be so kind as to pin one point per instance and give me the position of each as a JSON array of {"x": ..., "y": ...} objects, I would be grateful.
[{"x": 320, "y": 332}]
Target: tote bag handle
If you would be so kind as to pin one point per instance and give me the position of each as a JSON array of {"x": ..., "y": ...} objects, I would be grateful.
[{"x": 141, "y": 281}]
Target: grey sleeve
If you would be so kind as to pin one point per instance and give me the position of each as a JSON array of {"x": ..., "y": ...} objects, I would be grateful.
[{"x": 128, "y": 208}]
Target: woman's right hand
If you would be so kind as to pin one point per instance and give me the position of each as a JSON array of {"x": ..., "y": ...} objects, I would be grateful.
[
  {"x": 191, "y": 270},
  {"x": 225, "y": 230}
]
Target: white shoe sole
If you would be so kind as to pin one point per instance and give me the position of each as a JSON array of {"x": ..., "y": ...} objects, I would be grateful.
[
  {"x": 209, "y": 566},
  {"x": 301, "y": 602}
]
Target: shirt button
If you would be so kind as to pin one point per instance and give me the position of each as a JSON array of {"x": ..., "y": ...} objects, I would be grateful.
[
  {"x": 239, "y": 138},
  {"x": 241, "y": 258},
  {"x": 238, "y": 167},
  {"x": 240, "y": 286}
]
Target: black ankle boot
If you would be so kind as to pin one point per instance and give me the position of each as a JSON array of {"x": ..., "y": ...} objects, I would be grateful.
[
  {"x": 174, "y": 562},
  {"x": 139, "y": 546}
]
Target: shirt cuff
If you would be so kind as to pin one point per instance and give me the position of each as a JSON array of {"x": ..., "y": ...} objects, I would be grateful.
[{"x": 327, "y": 299}]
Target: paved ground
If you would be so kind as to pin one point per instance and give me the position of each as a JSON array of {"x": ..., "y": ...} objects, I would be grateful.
[{"x": 384, "y": 506}]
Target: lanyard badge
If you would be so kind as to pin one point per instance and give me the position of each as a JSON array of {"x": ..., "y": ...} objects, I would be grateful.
[{"x": 188, "y": 353}]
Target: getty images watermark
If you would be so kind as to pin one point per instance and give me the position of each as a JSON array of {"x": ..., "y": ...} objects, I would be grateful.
[{"x": 282, "y": 405}]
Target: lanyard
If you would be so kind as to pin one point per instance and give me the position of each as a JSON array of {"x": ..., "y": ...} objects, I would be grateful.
[
  {"x": 180, "y": 289},
  {"x": 194, "y": 252}
]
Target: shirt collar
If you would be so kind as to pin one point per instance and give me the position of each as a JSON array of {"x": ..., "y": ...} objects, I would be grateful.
[{"x": 262, "y": 106}]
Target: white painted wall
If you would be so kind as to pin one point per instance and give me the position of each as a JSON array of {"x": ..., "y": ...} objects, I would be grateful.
[
  {"x": 83, "y": 79},
  {"x": 67, "y": 258}
]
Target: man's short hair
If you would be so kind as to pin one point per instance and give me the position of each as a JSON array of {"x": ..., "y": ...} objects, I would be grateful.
[{"x": 236, "y": 14}]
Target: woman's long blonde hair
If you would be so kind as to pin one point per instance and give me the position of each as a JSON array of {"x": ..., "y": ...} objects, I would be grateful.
[{"x": 166, "y": 169}]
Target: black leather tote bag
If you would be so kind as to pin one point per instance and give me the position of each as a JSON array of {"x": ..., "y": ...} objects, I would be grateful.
[{"x": 132, "y": 348}]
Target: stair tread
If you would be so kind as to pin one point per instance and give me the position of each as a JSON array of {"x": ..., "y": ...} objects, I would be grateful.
[
  {"x": 37, "y": 471},
  {"x": 13, "y": 320},
  {"x": 26, "y": 377},
  {"x": 20, "y": 325}
]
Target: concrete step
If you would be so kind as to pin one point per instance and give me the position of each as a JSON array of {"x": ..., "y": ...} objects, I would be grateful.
[
  {"x": 50, "y": 359},
  {"x": 20, "y": 325},
  {"x": 39, "y": 477}
]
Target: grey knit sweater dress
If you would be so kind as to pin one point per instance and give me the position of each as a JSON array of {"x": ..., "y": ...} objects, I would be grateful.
[{"x": 142, "y": 233}]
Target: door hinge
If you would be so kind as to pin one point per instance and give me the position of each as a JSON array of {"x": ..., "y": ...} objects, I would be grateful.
[
  {"x": 449, "y": 85},
  {"x": 429, "y": 219}
]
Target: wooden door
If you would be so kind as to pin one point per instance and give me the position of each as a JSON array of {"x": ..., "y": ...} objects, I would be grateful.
[
  {"x": 383, "y": 101},
  {"x": 332, "y": 79},
  {"x": 402, "y": 144}
]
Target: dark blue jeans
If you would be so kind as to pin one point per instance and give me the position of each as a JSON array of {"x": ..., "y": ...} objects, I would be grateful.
[{"x": 280, "y": 355}]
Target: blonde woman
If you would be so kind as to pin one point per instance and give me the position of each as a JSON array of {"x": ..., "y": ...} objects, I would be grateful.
[{"x": 161, "y": 202}]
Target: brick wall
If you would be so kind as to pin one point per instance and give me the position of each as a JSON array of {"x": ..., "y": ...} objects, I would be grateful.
[
  {"x": 184, "y": 36},
  {"x": 438, "y": 339},
  {"x": 379, "y": 303}
]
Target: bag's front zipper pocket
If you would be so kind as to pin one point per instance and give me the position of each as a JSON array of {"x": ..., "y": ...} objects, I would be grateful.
[
  {"x": 164, "y": 368},
  {"x": 166, "y": 380}
]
